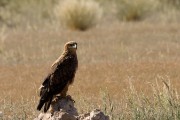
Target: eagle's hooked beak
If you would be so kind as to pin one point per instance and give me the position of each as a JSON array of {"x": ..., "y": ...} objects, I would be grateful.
[{"x": 74, "y": 46}]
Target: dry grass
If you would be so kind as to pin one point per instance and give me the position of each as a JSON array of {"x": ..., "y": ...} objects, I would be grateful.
[{"x": 109, "y": 59}]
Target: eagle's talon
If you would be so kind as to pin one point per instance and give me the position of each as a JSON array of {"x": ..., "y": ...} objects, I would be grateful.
[
  {"x": 56, "y": 99},
  {"x": 73, "y": 101},
  {"x": 70, "y": 98},
  {"x": 59, "y": 97},
  {"x": 52, "y": 113}
]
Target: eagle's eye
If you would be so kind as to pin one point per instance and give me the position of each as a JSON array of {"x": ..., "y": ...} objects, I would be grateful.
[{"x": 73, "y": 46}]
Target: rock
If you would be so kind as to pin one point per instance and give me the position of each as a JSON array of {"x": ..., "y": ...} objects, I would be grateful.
[
  {"x": 66, "y": 104},
  {"x": 98, "y": 115},
  {"x": 62, "y": 115},
  {"x": 44, "y": 116},
  {"x": 94, "y": 115},
  {"x": 64, "y": 110},
  {"x": 84, "y": 116}
]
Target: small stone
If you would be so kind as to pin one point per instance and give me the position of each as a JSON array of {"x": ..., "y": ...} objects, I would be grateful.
[
  {"x": 44, "y": 116},
  {"x": 83, "y": 116},
  {"x": 63, "y": 116},
  {"x": 98, "y": 115}
]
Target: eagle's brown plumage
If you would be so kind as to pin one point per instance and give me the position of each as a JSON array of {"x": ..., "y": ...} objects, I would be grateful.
[{"x": 60, "y": 77}]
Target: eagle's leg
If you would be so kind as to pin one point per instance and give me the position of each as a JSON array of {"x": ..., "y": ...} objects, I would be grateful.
[
  {"x": 61, "y": 95},
  {"x": 54, "y": 101},
  {"x": 64, "y": 94},
  {"x": 64, "y": 91}
]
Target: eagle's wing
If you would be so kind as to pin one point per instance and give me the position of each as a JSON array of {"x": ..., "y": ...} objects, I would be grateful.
[
  {"x": 45, "y": 85},
  {"x": 55, "y": 77},
  {"x": 45, "y": 94}
]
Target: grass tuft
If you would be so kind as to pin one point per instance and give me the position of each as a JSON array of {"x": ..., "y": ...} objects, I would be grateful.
[
  {"x": 107, "y": 104},
  {"x": 162, "y": 105},
  {"x": 128, "y": 10},
  {"x": 78, "y": 14},
  {"x": 170, "y": 3}
]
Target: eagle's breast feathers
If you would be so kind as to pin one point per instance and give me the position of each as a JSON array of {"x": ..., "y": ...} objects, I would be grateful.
[{"x": 64, "y": 70}]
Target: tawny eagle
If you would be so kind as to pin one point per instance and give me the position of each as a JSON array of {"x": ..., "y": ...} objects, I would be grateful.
[{"x": 61, "y": 75}]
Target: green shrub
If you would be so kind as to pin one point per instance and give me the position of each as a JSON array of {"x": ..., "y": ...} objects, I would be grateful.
[{"x": 78, "y": 14}]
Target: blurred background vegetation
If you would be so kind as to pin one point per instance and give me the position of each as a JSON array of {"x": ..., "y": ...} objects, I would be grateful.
[{"x": 15, "y": 13}]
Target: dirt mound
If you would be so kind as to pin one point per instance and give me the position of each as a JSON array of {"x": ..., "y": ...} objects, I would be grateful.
[{"x": 63, "y": 109}]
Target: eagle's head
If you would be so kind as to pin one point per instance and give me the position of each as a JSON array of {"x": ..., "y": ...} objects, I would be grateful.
[{"x": 70, "y": 46}]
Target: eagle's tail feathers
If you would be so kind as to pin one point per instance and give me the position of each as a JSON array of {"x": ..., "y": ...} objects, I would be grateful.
[
  {"x": 40, "y": 105},
  {"x": 47, "y": 105}
]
